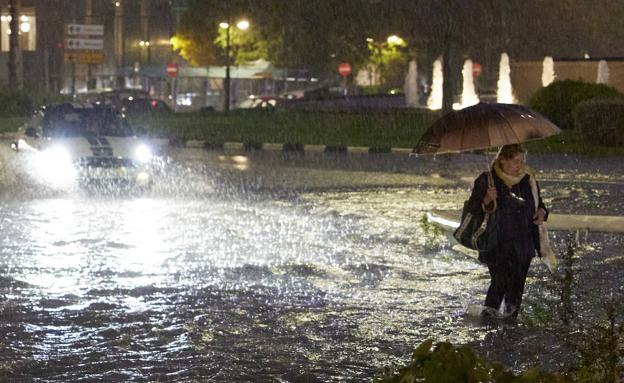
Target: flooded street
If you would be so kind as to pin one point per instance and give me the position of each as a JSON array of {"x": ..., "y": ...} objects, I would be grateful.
[{"x": 301, "y": 268}]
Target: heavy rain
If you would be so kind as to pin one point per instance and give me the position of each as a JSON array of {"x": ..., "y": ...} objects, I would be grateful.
[{"x": 195, "y": 191}]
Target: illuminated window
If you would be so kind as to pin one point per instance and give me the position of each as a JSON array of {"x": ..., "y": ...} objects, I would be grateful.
[{"x": 27, "y": 31}]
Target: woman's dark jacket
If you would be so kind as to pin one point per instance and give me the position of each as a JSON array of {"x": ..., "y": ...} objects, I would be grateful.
[{"x": 517, "y": 234}]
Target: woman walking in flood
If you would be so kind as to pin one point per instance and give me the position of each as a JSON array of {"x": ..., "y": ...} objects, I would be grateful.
[{"x": 515, "y": 195}]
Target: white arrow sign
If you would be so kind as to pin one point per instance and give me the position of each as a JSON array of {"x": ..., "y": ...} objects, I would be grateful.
[
  {"x": 92, "y": 44},
  {"x": 85, "y": 29}
]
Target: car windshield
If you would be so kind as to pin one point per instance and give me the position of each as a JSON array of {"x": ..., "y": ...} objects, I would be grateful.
[{"x": 81, "y": 122}]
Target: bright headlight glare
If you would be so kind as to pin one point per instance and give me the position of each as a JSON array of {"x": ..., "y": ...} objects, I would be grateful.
[
  {"x": 55, "y": 165},
  {"x": 142, "y": 178},
  {"x": 57, "y": 157},
  {"x": 143, "y": 153}
]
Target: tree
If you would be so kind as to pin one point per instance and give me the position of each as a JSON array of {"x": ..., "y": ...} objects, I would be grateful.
[
  {"x": 312, "y": 35},
  {"x": 246, "y": 45},
  {"x": 200, "y": 40},
  {"x": 389, "y": 58},
  {"x": 14, "y": 6},
  {"x": 315, "y": 35}
]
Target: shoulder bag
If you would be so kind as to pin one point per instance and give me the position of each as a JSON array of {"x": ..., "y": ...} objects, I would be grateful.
[{"x": 478, "y": 231}]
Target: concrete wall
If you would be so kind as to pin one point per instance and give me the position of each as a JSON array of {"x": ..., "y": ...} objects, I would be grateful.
[
  {"x": 526, "y": 79},
  {"x": 526, "y": 76}
]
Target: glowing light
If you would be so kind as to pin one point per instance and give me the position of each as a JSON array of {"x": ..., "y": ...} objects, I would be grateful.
[
  {"x": 223, "y": 25},
  {"x": 469, "y": 96},
  {"x": 603, "y": 73},
  {"x": 25, "y": 27},
  {"x": 143, "y": 153},
  {"x": 435, "y": 98},
  {"x": 55, "y": 167},
  {"x": 410, "y": 87},
  {"x": 548, "y": 71},
  {"x": 395, "y": 40},
  {"x": 142, "y": 179},
  {"x": 237, "y": 162},
  {"x": 504, "y": 91},
  {"x": 243, "y": 25}
]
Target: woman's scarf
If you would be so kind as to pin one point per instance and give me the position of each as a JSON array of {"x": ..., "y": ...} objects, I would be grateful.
[
  {"x": 508, "y": 179},
  {"x": 547, "y": 255}
]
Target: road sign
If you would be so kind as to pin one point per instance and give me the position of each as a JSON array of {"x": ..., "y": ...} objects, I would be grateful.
[
  {"x": 476, "y": 69},
  {"x": 172, "y": 69},
  {"x": 82, "y": 44},
  {"x": 85, "y": 30},
  {"x": 344, "y": 69},
  {"x": 84, "y": 57}
]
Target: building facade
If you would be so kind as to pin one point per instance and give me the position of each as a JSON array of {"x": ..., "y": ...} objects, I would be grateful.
[
  {"x": 135, "y": 44},
  {"x": 132, "y": 49}
]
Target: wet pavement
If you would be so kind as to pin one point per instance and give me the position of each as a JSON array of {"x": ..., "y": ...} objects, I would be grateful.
[{"x": 257, "y": 267}]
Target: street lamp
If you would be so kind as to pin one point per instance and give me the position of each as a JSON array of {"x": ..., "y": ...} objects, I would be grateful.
[
  {"x": 395, "y": 40},
  {"x": 242, "y": 25}
]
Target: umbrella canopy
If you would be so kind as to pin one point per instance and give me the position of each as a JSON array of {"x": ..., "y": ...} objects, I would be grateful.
[{"x": 482, "y": 126}]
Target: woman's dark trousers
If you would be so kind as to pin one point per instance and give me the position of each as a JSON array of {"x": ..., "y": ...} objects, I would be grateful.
[{"x": 508, "y": 274}]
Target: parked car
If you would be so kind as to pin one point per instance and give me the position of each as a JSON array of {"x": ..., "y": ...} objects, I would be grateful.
[
  {"x": 91, "y": 145},
  {"x": 131, "y": 101},
  {"x": 259, "y": 102}
]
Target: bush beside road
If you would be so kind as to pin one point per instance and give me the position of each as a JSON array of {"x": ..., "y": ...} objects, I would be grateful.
[
  {"x": 395, "y": 128},
  {"x": 375, "y": 129}
]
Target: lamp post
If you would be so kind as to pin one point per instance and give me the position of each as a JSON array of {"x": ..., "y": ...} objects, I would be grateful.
[{"x": 242, "y": 25}]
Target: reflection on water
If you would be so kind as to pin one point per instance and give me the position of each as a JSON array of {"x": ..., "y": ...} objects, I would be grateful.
[
  {"x": 215, "y": 276},
  {"x": 331, "y": 284}
]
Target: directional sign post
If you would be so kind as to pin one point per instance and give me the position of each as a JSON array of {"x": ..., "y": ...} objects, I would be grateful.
[
  {"x": 85, "y": 30},
  {"x": 84, "y": 57},
  {"x": 84, "y": 44}
]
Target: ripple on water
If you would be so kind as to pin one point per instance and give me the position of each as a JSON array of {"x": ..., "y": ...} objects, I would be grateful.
[{"x": 328, "y": 286}]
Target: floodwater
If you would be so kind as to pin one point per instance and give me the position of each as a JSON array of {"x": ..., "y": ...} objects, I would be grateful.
[{"x": 258, "y": 267}]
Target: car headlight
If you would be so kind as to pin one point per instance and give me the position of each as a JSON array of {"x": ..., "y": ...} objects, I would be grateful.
[
  {"x": 143, "y": 153},
  {"x": 142, "y": 179},
  {"x": 55, "y": 166}
]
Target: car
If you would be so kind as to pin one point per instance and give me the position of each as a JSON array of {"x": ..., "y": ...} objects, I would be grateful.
[
  {"x": 137, "y": 106},
  {"x": 259, "y": 102},
  {"x": 131, "y": 101},
  {"x": 86, "y": 144}
]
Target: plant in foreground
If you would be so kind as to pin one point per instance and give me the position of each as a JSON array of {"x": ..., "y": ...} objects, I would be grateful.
[{"x": 445, "y": 363}]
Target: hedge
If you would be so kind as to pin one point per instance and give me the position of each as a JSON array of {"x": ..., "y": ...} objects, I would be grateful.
[
  {"x": 558, "y": 100},
  {"x": 15, "y": 104},
  {"x": 601, "y": 122}
]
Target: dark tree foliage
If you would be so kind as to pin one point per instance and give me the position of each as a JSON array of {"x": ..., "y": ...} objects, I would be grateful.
[{"x": 315, "y": 35}]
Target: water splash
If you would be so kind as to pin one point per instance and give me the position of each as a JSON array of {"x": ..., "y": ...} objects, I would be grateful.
[
  {"x": 504, "y": 91},
  {"x": 603, "y": 73},
  {"x": 435, "y": 98},
  {"x": 411, "y": 85},
  {"x": 548, "y": 71},
  {"x": 469, "y": 95}
]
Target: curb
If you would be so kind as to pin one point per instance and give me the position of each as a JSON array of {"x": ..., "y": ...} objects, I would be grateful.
[{"x": 291, "y": 148}]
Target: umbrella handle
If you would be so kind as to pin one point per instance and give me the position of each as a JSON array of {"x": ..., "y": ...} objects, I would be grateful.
[{"x": 491, "y": 183}]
